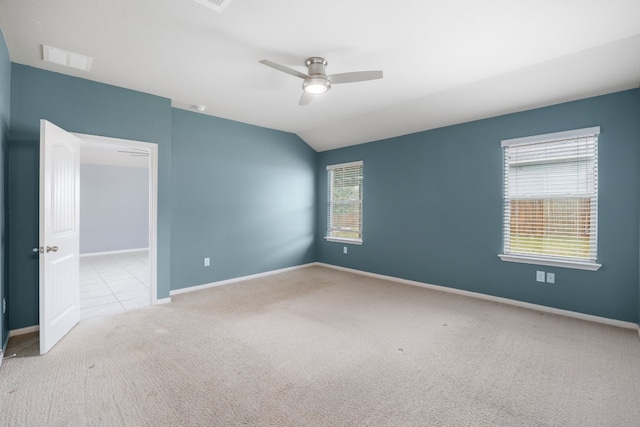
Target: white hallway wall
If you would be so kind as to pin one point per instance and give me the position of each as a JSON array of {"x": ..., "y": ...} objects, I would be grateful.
[{"x": 114, "y": 208}]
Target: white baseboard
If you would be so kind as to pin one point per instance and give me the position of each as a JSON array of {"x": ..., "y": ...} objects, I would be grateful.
[
  {"x": 122, "y": 251},
  {"x": 22, "y": 331},
  {"x": 537, "y": 307},
  {"x": 239, "y": 279},
  {"x": 162, "y": 301}
]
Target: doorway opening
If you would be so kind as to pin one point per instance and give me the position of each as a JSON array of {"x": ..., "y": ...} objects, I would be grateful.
[
  {"x": 59, "y": 228},
  {"x": 118, "y": 212}
]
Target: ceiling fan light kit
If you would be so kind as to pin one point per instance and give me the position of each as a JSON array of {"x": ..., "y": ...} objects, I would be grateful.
[
  {"x": 316, "y": 85},
  {"x": 316, "y": 81}
]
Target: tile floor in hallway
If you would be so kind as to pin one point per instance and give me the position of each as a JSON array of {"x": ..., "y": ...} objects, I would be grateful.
[{"x": 114, "y": 283}]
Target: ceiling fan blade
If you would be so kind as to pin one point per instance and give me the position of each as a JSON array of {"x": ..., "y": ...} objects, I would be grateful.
[
  {"x": 284, "y": 69},
  {"x": 356, "y": 76},
  {"x": 305, "y": 98},
  {"x": 134, "y": 153}
]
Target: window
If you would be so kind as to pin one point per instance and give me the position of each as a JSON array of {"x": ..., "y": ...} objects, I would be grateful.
[
  {"x": 551, "y": 199},
  {"x": 344, "y": 210}
]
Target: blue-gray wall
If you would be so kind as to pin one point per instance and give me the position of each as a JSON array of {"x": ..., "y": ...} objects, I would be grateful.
[
  {"x": 242, "y": 195},
  {"x": 76, "y": 105},
  {"x": 5, "y": 89},
  {"x": 433, "y": 208},
  {"x": 114, "y": 208}
]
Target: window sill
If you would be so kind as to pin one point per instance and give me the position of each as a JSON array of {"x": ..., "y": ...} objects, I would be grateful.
[
  {"x": 343, "y": 240},
  {"x": 578, "y": 265}
]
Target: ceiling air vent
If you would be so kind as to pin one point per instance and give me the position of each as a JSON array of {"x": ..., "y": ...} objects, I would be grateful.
[
  {"x": 216, "y": 5},
  {"x": 66, "y": 58}
]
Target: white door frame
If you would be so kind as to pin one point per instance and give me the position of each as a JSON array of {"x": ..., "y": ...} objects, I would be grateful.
[{"x": 153, "y": 200}]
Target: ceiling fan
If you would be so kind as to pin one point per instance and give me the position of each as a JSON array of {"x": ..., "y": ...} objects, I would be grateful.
[
  {"x": 316, "y": 81},
  {"x": 138, "y": 153}
]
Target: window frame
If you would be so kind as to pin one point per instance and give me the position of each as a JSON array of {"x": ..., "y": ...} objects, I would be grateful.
[
  {"x": 548, "y": 260},
  {"x": 330, "y": 170}
]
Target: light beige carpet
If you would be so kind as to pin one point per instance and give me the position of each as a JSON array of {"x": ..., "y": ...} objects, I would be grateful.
[{"x": 319, "y": 347}]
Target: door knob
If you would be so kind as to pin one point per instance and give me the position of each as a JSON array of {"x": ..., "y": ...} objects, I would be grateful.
[
  {"x": 52, "y": 249},
  {"x": 38, "y": 250}
]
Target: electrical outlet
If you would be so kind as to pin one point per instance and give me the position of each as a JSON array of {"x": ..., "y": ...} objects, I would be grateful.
[
  {"x": 344, "y": 250},
  {"x": 207, "y": 262},
  {"x": 551, "y": 278},
  {"x": 540, "y": 276}
]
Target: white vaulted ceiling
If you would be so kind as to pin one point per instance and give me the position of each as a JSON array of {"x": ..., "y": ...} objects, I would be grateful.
[{"x": 444, "y": 62}]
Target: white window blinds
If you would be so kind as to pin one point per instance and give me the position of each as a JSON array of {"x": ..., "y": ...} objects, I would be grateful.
[
  {"x": 344, "y": 210},
  {"x": 551, "y": 195}
]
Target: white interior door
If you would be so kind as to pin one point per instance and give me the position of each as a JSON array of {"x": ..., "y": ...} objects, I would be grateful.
[{"x": 59, "y": 234}]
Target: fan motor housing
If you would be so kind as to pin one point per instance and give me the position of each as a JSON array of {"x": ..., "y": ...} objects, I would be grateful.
[{"x": 316, "y": 65}]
